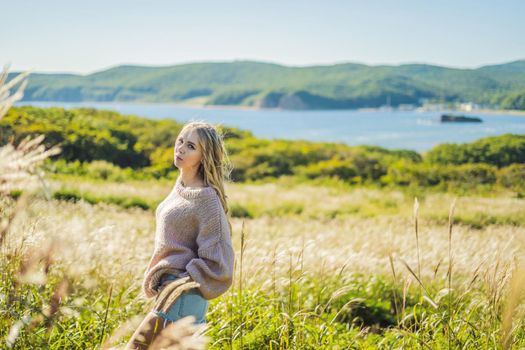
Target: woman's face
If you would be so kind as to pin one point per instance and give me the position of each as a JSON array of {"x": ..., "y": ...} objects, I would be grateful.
[{"x": 188, "y": 153}]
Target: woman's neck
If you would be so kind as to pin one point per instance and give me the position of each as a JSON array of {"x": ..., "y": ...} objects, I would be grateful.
[{"x": 191, "y": 181}]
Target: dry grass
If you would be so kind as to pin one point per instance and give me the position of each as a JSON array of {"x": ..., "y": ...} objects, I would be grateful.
[
  {"x": 99, "y": 242},
  {"x": 88, "y": 234},
  {"x": 321, "y": 202}
]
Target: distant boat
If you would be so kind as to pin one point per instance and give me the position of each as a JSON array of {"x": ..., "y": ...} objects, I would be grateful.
[{"x": 459, "y": 118}]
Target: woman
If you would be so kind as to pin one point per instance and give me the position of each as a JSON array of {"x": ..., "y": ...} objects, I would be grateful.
[{"x": 193, "y": 233}]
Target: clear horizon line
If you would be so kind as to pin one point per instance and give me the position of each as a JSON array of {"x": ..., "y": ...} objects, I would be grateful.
[{"x": 266, "y": 62}]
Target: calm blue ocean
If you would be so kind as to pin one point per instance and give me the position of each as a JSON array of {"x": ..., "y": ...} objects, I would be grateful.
[{"x": 418, "y": 131}]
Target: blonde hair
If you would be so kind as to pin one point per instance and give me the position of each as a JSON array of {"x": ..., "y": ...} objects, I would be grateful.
[{"x": 215, "y": 167}]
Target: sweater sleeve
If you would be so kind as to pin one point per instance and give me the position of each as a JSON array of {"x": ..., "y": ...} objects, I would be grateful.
[{"x": 213, "y": 269}]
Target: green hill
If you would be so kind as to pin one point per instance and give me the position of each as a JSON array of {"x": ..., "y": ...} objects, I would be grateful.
[{"x": 267, "y": 85}]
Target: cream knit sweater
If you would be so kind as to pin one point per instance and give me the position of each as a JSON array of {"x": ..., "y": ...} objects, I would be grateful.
[{"x": 192, "y": 238}]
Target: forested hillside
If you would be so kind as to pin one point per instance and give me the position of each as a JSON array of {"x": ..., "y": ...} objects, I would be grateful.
[{"x": 246, "y": 83}]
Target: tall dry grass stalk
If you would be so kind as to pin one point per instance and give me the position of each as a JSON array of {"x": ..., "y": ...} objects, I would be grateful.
[
  {"x": 514, "y": 297},
  {"x": 416, "y": 211},
  {"x": 6, "y": 98},
  {"x": 18, "y": 164},
  {"x": 396, "y": 307},
  {"x": 450, "y": 264}
]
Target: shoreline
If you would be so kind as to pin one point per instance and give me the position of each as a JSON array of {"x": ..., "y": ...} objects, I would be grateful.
[
  {"x": 501, "y": 111},
  {"x": 253, "y": 108}
]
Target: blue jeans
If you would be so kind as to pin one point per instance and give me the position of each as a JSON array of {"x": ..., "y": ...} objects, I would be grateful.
[{"x": 190, "y": 302}]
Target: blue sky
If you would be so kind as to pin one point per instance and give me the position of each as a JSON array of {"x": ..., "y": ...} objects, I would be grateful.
[{"x": 89, "y": 36}]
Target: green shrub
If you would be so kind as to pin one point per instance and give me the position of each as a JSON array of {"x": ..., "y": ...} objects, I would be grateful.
[
  {"x": 427, "y": 174},
  {"x": 125, "y": 202},
  {"x": 67, "y": 195},
  {"x": 471, "y": 174},
  {"x": 512, "y": 176},
  {"x": 101, "y": 169},
  {"x": 342, "y": 169},
  {"x": 499, "y": 150},
  {"x": 285, "y": 208},
  {"x": 240, "y": 211}
]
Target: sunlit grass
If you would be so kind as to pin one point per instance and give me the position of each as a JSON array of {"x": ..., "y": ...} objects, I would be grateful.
[
  {"x": 316, "y": 269},
  {"x": 308, "y": 201}
]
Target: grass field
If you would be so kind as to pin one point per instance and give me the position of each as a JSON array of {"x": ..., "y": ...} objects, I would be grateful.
[{"x": 322, "y": 267}]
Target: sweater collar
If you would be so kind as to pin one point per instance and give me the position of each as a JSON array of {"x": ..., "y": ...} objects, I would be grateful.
[{"x": 192, "y": 192}]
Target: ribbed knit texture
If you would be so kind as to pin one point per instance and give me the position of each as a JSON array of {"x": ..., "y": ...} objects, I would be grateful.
[{"x": 192, "y": 237}]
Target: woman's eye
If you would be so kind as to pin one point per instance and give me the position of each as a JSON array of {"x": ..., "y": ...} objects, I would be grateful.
[{"x": 180, "y": 140}]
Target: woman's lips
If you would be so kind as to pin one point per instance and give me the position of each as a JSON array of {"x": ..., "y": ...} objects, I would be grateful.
[{"x": 179, "y": 158}]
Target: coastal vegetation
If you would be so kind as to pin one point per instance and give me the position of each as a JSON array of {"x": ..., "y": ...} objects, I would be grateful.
[{"x": 102, "y": 144}]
